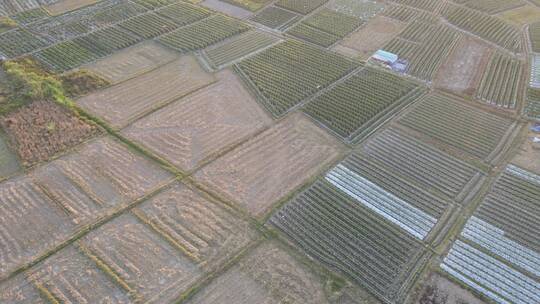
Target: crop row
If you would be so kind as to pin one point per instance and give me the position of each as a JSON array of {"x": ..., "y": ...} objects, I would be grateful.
[
  {"x": 463, "y": 127},
  {"x": 427, "y": 5},
  {"x": 238, "y": 47},
  {"x": 154, "y": 4},
  {"x": 303, "y": 7},
  {"x": 149, "y": 25},
  {"x": 532, "y": 109},
  {"x": 276, "y": 18},
  {"x": 425, "y": 56},
  {"x": 428, "y": 167},
  {"x": 104, "y": 42},
  {"x": 30, "y": 16},
  {"x": 488, "y": 27},
  {"x": 359, "y": 9},
  {"x": 287, "y": 73},
  {"x": 313, "y": 35},
  {"x": 489, "y": 276},
  {"x": 501, "y": 82},
  {"x": 534, "y": 36},
  {"x": 184, "y": 13},
  {"x": 12, "y": 7},
  {"x": 492, "y": 6},
  {"x": 66, "y": 55},
  {"x": 18, "y": 42},
  {"x": 204, "y": 33},
  {"x": 352, "y": 105},
  {"x": 334, "y": 228}
]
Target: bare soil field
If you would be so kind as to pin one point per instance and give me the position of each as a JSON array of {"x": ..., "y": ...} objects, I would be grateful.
[
  {"x": 205, "y": 231},
  {"x": 526, "y": 14},
  {"x": 133, "y": 61},
  {"x": 266, "y": 168},
  {"x": 227, "y": 9},
  {"x": 440, "y": 290},
  {"x": 147, "y": 264},
  {"x": 64, "y": 6},
  {"x": 528, "y": 154},
  {"x": 267, "y": 275},
  {"x": 193, "y": 129},
  {"x": 121, "y": 104},
  {"x": 67, "y": 194},
  {"x": 373, "y": 35},
  {"x": 43, "y": 129},
  {"x": 9, "y": 163},
  {"x": 463, "y": 69}
]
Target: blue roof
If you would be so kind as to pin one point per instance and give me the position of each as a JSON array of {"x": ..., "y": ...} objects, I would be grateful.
[{"x": 384, "y": 55}]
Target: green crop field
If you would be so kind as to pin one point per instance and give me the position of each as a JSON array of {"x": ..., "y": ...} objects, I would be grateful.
[
  {"x": 19, "y": 42},
  {"x": 286, "y": 74},
  {"x": 66, "y": 56},
  {"x": 148, "y": 25},
  {"x": 303, "y": 7},
  {"x": 107, "y": 40},
  {"x": 534, "y": 36},
  {"x": 184, "y": 13},
  {"x": 276, "y": 18},
  {"x": 30, "y": 16},
  {"x": 493, "y": 6}
]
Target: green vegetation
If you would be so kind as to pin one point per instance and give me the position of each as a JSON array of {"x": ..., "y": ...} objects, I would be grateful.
[
  {"x": 493, "y": 6},
  {"x": 284, "y": 75},
  {"x": 276, "y": 18},
  {"x": 252, "y": 5},
  {"x": 184, "y": 13},
  {"x": 30, "y": 16},
  {"x": 67, "y": 55},
  {"x": 534, "y": 36},
  {"x": 19, "y": 42},
  {"x": 532, "y": 109},
  {"x": 427, "y": 5},
  {"x": 81, "y": 82},
  {"x": 202, "y": 34},
  {"x": 107, "y": 40},
  {"x": 153, "y": 4},
  {"x": 6, "y": 24},
  {"x": 148, "y": 25},
  {"x": 313, "y": 35},
  {"x": 303, "y": 7}
]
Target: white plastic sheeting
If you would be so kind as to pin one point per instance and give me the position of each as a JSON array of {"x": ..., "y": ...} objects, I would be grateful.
[
  {"x": 523, "y": 174},
  {"x": 535, "y": 72}
]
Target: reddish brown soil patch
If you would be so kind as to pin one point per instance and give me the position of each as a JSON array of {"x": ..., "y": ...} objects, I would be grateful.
[
  {"x": 42, "y": 129},
  {"x": 463, "y": 69}
]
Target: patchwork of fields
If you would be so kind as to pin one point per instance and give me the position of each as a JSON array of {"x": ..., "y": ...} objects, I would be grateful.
[{"x": 255, "y": 152}]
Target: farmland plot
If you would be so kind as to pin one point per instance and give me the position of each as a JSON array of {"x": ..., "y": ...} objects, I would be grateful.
[
  {"x": 30, "y": 16},
  {"x": 189, "y": 132},
  {"x": 364, "y": 9},
  {"x": 534, "y": 36},
  {"x": 148, "y": 25},
  {"x": 463, "y": 69},
  {"x": 69, "y": 276},
  {"x": 325, "y": 27},
  {"x": 19, "y": 42},
  {"x": 427, "y": 5},
  {"x": 407, "y": 14},
  {"x": 132, "y": 62},
  {"x": 354, "y": 106},
  {"x": 9, "y": 163},
  {"x": 205, "y": 231},
  {"x": 502, "y": 81},
  {"x": 183, "y": 13},
  {"x": 120, "y": 104},
  {"x": 64, "y": 6},
  {"x": 493, "y": 6},
  {"x": 303, "y": 7},
  {"x": 252, "y": 5},
  {"x": 238, "y": 47},
  {"x": 465, "y": 128},
  {"x": 523, "y": 15},
  {"x": 11, "y": 7},
  {"x": 107, "y": 40},
  {"x": 263, "y": 170},
  {"x": 532, "y": 108},
  {"x": 336, "y": 229},
  {"x": 267, "y": 275},
  {"x": 373, "y": 35},
  {"x": 203, "y": 34},
  {"x": 284, "y": 75},
  {"x": 485, "y": 26},
  {"x": 151, "y": 267},
  {"x": 504, "y": 226},
  {"x": 428, "y": 167},
  {"x": 276, "y": 18},
  {"x": 154, "y": 4},
  {"x": 425, "y": 46},
  {"x": 226, "y": 8},
  {"x": 67, "y": 55}
]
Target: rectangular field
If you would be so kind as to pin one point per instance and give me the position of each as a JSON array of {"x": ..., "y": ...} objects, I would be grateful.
[
  {"x": 265, "y": 169},
  {"x": 360, "y": 9},
  {"x": 18, "y": 42},
  {"x": 288, "y": 280},
  {"x": 64, "y": 6},
  {"x": 252, "y": 5},
  {"x": 532, "y": 108},
  {"x": 107, "y": 40},
  {"x": 502, "y": 82},
  {"x": 353, "y": 107},
  {"x": 303, "y": 7},
  {"x": 192, "y": 130},
  {"x": 148, "y": 25},
  {"x": 534, "y": 36},
  {"x": 284, "y": 75},
  {"x": 9, "y": 163},
  {"x": 501, "y": 236},
  {"x": 493, "y": 6},
  {"x": 334, "y": 227},
  {"x": 132, "y": 62},
  {"x": 150, "y": 266},
  {"x": 183, "y": 13},
  {"x": 276, "y": 18},
  {"x": 121, "y": 104},
  {"x": 463, "y": 127},
  {"x": 67, "y": 55},
  {"x": 207, "y": 232}
]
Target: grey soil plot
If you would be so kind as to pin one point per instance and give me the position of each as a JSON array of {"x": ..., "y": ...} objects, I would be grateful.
[
  {"x": 463, "y": 69},
  {"x": 207, "y": 232},
  {"x": 132, "y": 62},
  {"x": 373, "y": 35},
  {"x": 193, "y": 129},
  {"x": 120, "y": 104},
  {"x": 268, "y": 275},
  {"x": 9, "y": 163},
  {"x": 147, "y": 264},
  {"x": 64, "y": 6},
  {"x": 265, "y": 169},
  {"x": 67, "y": 194}
]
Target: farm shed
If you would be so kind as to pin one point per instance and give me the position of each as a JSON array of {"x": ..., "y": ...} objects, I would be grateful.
[{"x": 385, "y": 57}]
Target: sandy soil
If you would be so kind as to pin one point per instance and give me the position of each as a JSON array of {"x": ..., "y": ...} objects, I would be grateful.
[
  {"x": 227, "y": 9},
  {"x": 133, "y": 61},
  {"x": 373, "y": 35},
  {"x": 266, "y": 168},
  {"x": 144, "y": 261},
  {"x": 268, "y": 275},
  {"x": 207, "y": 232},
  {"x": 528, "y": 155},
  {"x": 190, "y": 131},
  {"x": 121, "y": 104},
  {"x": 440, "y": 290},
  {"x": 522, "y": 15},
  {"x": 43, "y": 129},
  {"x": 64, "y": 6},
  {"x": 463, "y": 69}
]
